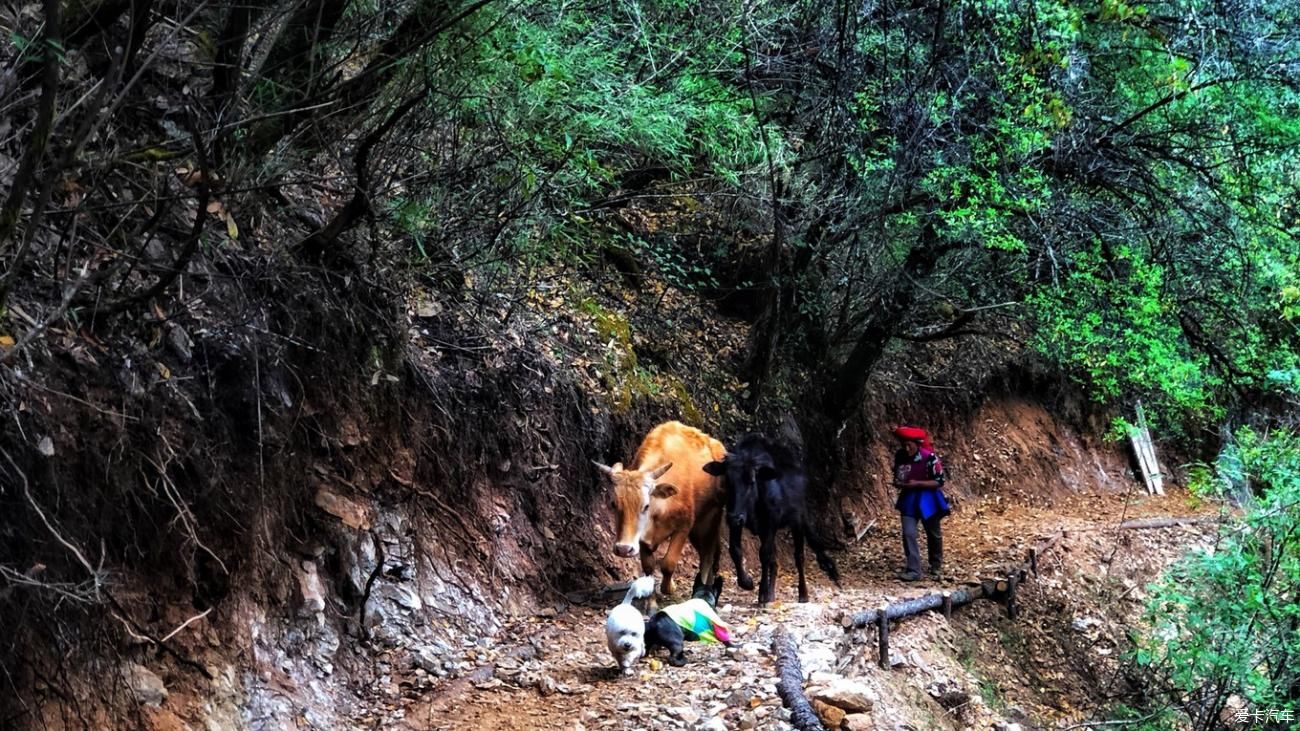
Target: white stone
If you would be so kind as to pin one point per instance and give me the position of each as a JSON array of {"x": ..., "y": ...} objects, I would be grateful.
[
  {"x": 313, "y": 596},
  {"x": 689, "y": 715},
  {"x": 852, "y": 696},
  {"x": 816, "y": 658}
]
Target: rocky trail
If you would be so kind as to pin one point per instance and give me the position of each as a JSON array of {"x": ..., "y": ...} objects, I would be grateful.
[{"x": 1046, "y": 669}]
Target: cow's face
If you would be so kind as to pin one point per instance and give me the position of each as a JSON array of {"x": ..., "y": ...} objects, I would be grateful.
[
  {"x": 633, "y": 490},
  {"x": 744, "y": 475}
]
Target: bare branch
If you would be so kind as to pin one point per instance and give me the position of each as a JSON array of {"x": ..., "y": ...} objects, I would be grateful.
[
  {"x": 36, "y": 144},
  {"x": 55, "y": 314}
]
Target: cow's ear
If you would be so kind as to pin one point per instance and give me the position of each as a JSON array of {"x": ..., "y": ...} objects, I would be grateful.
[
  {"x": 660, "y": 470},
  {"x": 767, "y": 473},
  {"x": 664, "y": 491},
  {"x": 715, "y": 468}
]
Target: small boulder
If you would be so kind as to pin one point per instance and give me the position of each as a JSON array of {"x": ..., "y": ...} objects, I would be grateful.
[
  {"x": 689, "y": 715},
  {"x": 822, "y": 677},
  {"x": 180, "y": 343},
  {"x": 858, "y": 722},
  {"x": 815, "y": 658},
  {"x": 146, "y": 686},
  {"x": 852, "y": 696},
  {"x": 428, "y": 659},
  {"x": 830, "y": 715},
  {"x": 739, "y": 698},
  {"x": 313, "y": 596},
  {"x": 1083, "y": 624},
  {"x": 350, "y": 512},
  {"x": 712, "y": 724}
]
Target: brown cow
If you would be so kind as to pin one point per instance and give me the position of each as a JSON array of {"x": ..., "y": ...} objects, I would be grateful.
[{"x": 667, "y": 496}]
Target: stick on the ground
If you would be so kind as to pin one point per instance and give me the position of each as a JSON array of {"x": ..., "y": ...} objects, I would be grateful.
[
  {"x": 1165, "y": 522},
  {"x": 790, "y": 684},
  {"x": 882, "y": 630}
]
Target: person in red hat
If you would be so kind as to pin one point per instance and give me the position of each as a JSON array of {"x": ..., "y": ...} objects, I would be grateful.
[{"x": 918, "y": 474}]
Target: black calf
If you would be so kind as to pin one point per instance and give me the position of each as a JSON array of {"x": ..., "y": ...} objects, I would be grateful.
[{"x": 766, "y": 487}]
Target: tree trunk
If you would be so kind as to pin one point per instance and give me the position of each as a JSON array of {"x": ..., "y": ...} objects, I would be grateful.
[
  {"x": 141, "y": 22},
  {"x": 844, "y": 396},
  {"x": 295, "y": 64}
]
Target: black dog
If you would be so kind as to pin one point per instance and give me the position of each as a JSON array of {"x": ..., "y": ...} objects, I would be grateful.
[{"x": 692, "y": 620}]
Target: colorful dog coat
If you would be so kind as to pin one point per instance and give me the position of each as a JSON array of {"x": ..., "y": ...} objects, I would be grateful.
[{"x": 698, "y": 621}]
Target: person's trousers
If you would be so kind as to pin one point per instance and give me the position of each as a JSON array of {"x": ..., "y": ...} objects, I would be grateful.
[{"x": 933, "y": 542}]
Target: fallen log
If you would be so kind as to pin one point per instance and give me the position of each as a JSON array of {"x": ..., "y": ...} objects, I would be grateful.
[
  {"x": 790, "y": 682},
  {"x": 1139, "y": 524},
  {"x": 858, "y": 620},
  {"x": 1002, "y": 589}
]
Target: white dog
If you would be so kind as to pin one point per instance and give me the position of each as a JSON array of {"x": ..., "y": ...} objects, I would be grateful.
[{"x": 625, "y": 626}]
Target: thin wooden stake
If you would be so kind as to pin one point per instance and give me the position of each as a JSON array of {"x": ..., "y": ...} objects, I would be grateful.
[
  {"x": 1012, "y": 580},
  {"x": 947, "y": 605},
  {"x": 882, "y": 630}
]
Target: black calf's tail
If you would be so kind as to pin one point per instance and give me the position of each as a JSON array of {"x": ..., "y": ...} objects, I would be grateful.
[{"x": 824, "y": 559}]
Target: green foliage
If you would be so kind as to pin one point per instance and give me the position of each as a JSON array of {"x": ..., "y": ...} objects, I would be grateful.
[
  {"x": 578, "y": 100},
  {"x": 1229, "y": 618},
  {"x": 415, "y": 218},
  {"x": 1128, "y": 177},
  {"x": 1180, "y": 294},
  {"x": 1139, "y": 720},
  {"x": 677, "y": 269},
  {"x": 1123, "y": 334},
  {"x": 35, "y": 50}
]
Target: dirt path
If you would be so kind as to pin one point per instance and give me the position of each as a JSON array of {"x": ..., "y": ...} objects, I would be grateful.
[{"x": 557, "y": 674}]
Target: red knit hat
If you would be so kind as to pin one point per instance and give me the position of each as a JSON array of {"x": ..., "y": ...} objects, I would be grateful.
[{"x": 913, "y": 434}]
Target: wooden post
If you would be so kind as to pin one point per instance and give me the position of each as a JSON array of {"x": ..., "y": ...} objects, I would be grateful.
[
  {"x": 947, "y": 605},
  {"x": 882, "y": 629},
  {"x": 1033, "y": 561},
  {"x": 1146, "y": 454},
  {"x": 1012, "y": 580}
]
